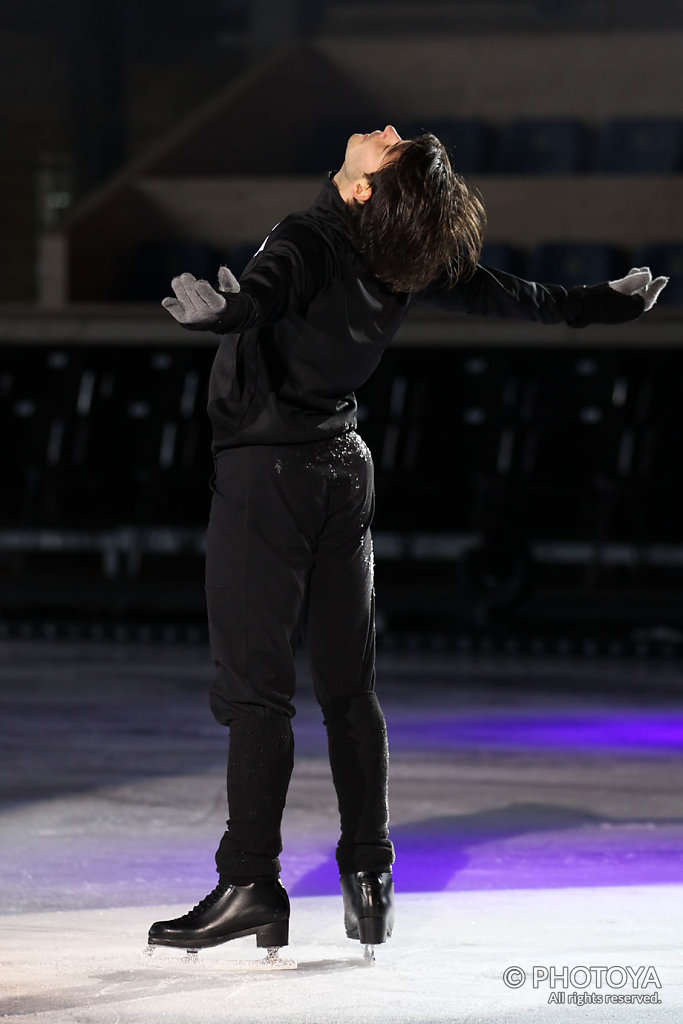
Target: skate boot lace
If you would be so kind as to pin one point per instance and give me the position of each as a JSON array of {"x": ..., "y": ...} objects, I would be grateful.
[{"x": 207, "y": 902}]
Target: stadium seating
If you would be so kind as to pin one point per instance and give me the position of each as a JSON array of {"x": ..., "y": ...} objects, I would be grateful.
[
  {"x": 542, "y": 146},
  {"x": 665, "y": 258},
  {"x": 640, "y": 146},
  {"x": 573, "y": 263},
  {"x": 104, "y": 436},
  {"x": 469, "y": 141},
  {"x": 504, "y": 257}
]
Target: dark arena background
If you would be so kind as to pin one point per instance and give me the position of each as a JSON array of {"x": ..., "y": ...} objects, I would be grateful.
[{"x": 528, "y": 533}]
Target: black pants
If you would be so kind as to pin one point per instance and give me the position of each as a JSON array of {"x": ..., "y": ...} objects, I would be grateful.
[{"x": 289, "y": 545}]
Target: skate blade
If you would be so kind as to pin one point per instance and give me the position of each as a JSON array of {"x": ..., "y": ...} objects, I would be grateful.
[
  {"x": 164, "y": 956},
  {"x": 369, "y": 955}
]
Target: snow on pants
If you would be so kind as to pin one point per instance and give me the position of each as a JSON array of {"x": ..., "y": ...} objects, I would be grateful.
[{"x": 289, "y": 545}]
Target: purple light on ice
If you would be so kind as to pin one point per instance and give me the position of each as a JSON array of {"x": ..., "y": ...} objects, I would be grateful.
[{"x": 642, "y": 731}]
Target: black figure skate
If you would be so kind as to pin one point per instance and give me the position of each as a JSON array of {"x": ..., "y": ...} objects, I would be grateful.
[
  {"x": 231, "y": 912},
  {"x": 368, "y": 907}
]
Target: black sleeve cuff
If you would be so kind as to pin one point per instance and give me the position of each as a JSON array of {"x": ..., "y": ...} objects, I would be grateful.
[
  {"x": 239, "y": 312},
  {"x": 210, "y": 326},
  {"x": 600, "y": 304}
]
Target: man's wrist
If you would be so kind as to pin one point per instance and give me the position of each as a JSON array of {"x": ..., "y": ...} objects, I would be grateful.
[{"x": 601, "y": 304}]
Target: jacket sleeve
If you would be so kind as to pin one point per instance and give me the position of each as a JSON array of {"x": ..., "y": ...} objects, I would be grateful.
[
  {"x": 492, "y": 292},
  {"x": 294, "y": 265}
]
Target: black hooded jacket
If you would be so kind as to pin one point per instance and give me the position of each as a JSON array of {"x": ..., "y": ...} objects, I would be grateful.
[{"x": 311, "y": 322}]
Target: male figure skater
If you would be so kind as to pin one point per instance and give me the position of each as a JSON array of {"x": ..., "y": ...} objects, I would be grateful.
[{"x": 288, "y": 540}]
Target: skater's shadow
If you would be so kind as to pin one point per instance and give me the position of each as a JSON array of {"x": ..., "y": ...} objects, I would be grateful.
[
  {"x": 332, "y": 966},
  {"x": 430, "y": 852}
]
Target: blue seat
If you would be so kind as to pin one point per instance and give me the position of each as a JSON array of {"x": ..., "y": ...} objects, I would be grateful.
[
  {"x": 469, "y": 141},
  {"x": 640, "y": 146},
  {"x": 503, "y": 257},
  {"x": 543, "y": 146},
  {"x": 572, "y": 264},
  {"x": 664, "y": 258}
]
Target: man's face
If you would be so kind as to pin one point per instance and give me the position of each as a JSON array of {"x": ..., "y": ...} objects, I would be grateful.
[{"x": 365, "y": 154}]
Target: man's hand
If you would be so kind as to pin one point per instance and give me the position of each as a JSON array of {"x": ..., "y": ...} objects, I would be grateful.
[
  {"x": 639, "y": 281},
  {"x": 196, "y": 303},
  {"x": 227, "y": 282}
]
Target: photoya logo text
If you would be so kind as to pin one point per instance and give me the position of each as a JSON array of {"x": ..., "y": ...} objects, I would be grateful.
[{"x": 583, "y": 977}]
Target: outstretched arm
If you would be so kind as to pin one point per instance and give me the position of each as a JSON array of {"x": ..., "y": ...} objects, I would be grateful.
[
  {"x": 292, "y": 267},
  {"x": 492, "y": 292}
]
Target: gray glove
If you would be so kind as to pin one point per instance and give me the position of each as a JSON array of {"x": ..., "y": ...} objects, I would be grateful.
[
  {"x": 196, "y": 303},
  {"x": 639, "y": 281}
]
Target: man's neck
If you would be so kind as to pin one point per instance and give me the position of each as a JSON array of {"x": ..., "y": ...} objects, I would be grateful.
[{"x": 344, "y": 185}]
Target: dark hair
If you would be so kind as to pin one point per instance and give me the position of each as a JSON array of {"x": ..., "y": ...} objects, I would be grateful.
[{"x": 421, "y": 220}]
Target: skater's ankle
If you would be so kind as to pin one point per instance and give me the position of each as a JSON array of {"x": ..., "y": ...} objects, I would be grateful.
[
  {"x": 244, "y": 880},
  {"x": 382, "y": 870}
]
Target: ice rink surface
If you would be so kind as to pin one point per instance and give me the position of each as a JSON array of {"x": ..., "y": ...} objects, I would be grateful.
[{"x": 536, "y": 814}]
